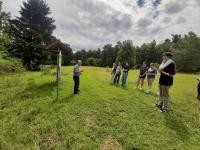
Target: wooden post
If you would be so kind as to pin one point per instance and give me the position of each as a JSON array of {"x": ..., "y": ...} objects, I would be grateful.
[{"x": 59, "y": 64}]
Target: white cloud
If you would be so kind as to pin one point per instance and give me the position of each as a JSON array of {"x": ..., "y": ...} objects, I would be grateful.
[{"x": 90, "y": 24}]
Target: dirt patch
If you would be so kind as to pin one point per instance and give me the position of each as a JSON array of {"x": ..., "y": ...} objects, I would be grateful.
[
  {"x": 50, "y": 141},
  {"x": 123, "y": 114},
  {"x": 91, "y": 120},
  {"x": 110, "y": 144}
]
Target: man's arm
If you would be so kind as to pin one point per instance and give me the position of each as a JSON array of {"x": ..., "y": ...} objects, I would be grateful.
[
  {"x": 143, "y": 74},
  {"x": 172, "y": 72}
]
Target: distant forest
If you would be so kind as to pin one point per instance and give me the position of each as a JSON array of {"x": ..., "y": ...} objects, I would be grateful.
[{"x": 27, "y": 36}]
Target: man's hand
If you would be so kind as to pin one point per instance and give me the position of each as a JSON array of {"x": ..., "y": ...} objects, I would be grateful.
[{"x": 167, "y": 74}]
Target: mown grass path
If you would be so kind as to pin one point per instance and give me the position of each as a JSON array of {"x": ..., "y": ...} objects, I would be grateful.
[{"x": 102, "y": 116}]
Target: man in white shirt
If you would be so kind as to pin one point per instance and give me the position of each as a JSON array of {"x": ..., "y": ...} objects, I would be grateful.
[{"x": 76, "y": 76}]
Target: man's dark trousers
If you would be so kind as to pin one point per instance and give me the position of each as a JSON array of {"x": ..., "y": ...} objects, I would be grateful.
[
  {"x": 76, "y": 84},
  {"x": 198, "y": 91}
]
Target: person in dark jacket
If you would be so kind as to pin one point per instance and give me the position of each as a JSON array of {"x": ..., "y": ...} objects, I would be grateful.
[
  {"x": 167, "y": 72},
  {"x": 142, "y": 75}
]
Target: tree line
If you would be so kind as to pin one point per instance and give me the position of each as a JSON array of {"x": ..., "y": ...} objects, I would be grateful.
[
  {"x": 26, "y": 37},
  {"x": 185, "y": 48}
]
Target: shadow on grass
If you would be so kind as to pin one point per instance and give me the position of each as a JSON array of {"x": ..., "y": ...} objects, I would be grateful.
[
  {"x": 37, "y": 91},
  {"x": 175, "y": 121},
  {"x": 148, "y": 94},
  {"x": 66, "y": 99}
]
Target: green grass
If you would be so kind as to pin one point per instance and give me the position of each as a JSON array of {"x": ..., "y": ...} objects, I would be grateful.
[
  {"x": 8, "y": 64},
  {"x": 101, "y": 116}
]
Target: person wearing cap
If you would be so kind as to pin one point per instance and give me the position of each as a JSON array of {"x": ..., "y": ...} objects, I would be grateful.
[
  {"x": 167, "y": 72},
  {"x": 142, "y": 75},
  {"x": 76, "y": 76}
]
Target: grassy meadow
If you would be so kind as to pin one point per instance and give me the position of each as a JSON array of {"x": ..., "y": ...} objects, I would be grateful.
[{"x": 102, "y": 116}]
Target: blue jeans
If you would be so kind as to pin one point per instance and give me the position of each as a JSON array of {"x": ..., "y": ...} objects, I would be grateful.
[{"x": 124, "y": 78}]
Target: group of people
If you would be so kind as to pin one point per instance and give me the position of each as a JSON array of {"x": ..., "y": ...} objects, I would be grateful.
[
  {"x": 150, "y": 73},
  {"x": 166, "y": 71},
  {"x": 117, "y": 69}
]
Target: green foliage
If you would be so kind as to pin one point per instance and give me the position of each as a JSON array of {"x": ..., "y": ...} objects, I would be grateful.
[
  {"x": 109, "y": 55},
  {"x": 31, "y": 31},
  {"x": 187, "y": 53},
  {"x": 185, "y": 50},
  {"x": 124, "y": 52},
  {"x": 93, "y": 62},
  {"x": 4, "y": 21},
  {"x": 5, "y": 43},
  {"x": 32, "y": 118},
  {"x": 127, "y": 53}
]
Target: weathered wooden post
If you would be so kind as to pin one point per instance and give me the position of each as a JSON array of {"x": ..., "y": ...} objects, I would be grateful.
[{"x": 59, "y": 64}]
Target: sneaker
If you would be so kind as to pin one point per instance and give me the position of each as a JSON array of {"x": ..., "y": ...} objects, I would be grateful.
[
  {"x": 162, "y": 110},
  {"x": 148, "y": 91},
  {"x": 157, "y": 105}
]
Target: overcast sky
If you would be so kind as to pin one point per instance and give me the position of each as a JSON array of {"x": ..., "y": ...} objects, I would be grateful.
[{"x": 90, "y": 24}]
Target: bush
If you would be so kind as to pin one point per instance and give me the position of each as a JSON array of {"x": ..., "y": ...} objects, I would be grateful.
[{"x": 8, "y": 64}]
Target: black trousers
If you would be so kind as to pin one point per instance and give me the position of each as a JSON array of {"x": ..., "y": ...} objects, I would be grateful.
[
  {"x": 76, "y": 84},
  {"x": 116, "y": 79},
  {"x": 198, "y": 91}
]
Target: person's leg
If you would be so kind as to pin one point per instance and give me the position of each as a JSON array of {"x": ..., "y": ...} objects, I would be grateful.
[
  {"x": 142, "y": 82},
  {"x": 165, "y": 97},
  {"x": 198, "y": 90},
  {"x": 118, "y": 78},
  {"x": 78, "y": 83},
  {"x": 158, "y": 92},
  {"x": 75, "y": 85},
  {"x": 125, "y": 78},
  {"x": 138, "y": 82},
  {"x": 115, "y": 78},
  {"x": 150, "y": 85},
  {"x": 160, "y": 102}
]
